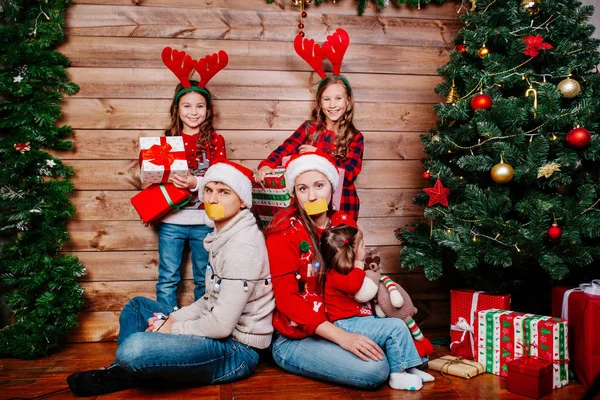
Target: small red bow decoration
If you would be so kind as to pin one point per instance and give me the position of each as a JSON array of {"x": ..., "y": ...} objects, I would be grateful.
[
  {"x": 534, "y": 45},
  {"x": 22, "y": 147}
]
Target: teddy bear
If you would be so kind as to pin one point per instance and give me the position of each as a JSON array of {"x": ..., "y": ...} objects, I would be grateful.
[{"x": 392, "y": 301}]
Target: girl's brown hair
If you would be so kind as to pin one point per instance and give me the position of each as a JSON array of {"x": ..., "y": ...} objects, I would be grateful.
[
  {"x": 345, "y": 126},
  {"x": 337, "y": 250},
  {"x": 206, "y": 127}
]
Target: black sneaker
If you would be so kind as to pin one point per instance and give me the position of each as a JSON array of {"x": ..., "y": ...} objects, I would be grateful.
[{"x": 101, "y": 381}]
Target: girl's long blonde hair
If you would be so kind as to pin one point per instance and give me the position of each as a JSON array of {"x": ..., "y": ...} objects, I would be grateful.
[
  {"x": 206, "y": 127},
  {"x": 337, "y": 249},
  {"x": 345, "y": 126}
]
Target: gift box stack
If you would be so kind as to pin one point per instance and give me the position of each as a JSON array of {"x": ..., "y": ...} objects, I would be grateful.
[
  {"x": 273, "y": 197},
  {"x": 581, "y": 308},
  {"x": 464, "y": 305},
  {"x": 502, "y": 336},
  {"x": 161, "y": 157}
]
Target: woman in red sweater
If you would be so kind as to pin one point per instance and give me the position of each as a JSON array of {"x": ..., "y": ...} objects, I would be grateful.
[{"x": 305, "y": 342}]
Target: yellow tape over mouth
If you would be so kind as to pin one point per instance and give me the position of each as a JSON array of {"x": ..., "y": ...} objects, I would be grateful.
[
  {"x": 316, "y": 207},
  {"x": 214, "y": 211}
]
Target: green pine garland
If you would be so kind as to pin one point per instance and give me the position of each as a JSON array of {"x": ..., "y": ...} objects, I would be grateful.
[
  {"x": 362, "y": 4},
  {"x": 40, "y": 286}
]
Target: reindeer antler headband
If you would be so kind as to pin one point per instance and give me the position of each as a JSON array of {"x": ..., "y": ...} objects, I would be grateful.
[
  {"x": 182, "y": 65},
  {"x": 334, "y": 49}
]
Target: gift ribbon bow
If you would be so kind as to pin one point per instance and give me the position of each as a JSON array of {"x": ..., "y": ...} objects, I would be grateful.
[
  {"x": 170, "y": 201},
  {"x": 467, "y": 327},
  {"x": 531, "y": 358},
  {"x": 161, "y": 154},
  {"x": 592, "y": 288}
]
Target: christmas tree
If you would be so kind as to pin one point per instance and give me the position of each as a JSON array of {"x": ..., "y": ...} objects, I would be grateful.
[
  {"x": 515, "y": 156},
  {"x": 38, "y": 284}
]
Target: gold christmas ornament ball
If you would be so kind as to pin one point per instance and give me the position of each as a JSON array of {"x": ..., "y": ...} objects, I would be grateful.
[
  {"x": 435, "y": 138},
  {"x": 502, "y": 173},
  {"x": 483, "y": 51},
  {"x": 569, "y": 88},
  {"x": 531, "y": 6}
]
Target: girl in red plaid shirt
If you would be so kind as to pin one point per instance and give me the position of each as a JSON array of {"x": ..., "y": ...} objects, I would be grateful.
[{"x": 332, "y": 131}]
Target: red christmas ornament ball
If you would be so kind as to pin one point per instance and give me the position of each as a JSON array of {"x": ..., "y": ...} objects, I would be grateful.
[
  {"x": 426, "y": 175},
  {"x": 554, "y": 232},
  {"x": 301, "y": 33},
  {"x": 461, "y": 48},
  {"x": 481, "y": 102},
  {"x": 303, "y": 14},
  {"x": 579, "y": 138}
]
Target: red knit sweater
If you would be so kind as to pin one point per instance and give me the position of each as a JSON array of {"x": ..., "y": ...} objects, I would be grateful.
[
  {"x": 299, "y": 309},
  {"x": 340, "y": 290}
]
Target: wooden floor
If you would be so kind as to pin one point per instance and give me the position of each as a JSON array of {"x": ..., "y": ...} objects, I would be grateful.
[{"x": 20, "y": 378}]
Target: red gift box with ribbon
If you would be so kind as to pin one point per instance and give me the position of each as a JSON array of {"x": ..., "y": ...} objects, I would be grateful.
[
  {"x": 464, "y": 305},
  {"x": 581, "y": 308},
  {"x": 530, "y": 376},
  {"x": 161, "y": 157},
  {"x": 156, "y": 201}
]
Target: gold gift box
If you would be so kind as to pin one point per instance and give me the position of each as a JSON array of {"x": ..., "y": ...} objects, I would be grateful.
[{"x": 456, "y": 366}]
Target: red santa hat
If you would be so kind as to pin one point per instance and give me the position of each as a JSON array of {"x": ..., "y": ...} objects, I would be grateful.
[
  {"x": 313, "y": 161},
  {"x": 236, "y": 176},
  {"x": 341, "y": 218}
]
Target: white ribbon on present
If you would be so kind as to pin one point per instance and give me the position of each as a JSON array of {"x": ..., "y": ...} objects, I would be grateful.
[
  {"x": 467, "y": 327},
  {"x": 592, "y": 288}
]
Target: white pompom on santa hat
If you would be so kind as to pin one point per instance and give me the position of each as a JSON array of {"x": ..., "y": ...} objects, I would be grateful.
[
  {"x": 313, "y": 161},
  {"x": 236, "y": 176}
]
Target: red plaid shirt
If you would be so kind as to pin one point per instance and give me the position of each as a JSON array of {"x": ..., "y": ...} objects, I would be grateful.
[{"x": 326, "y": 141}]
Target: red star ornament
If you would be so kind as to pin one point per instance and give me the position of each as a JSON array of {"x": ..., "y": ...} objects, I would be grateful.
[{"x": 437, "y": 194}]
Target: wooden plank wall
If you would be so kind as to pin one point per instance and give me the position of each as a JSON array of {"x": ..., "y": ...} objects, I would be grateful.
[{"x": 262, "y": 96}]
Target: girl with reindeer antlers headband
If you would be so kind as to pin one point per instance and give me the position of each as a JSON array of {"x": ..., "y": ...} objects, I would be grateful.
[
  {"x": 191, "y": 117},
  {"x": 331, "y": 129}
]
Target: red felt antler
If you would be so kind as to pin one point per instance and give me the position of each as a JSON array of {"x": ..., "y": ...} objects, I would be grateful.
[
  {"x": 179, "y": 63},
  {"x": 312, "y": 53},
  {"x": 208, "y": 66},
  {"x": 335, "y": 47}
]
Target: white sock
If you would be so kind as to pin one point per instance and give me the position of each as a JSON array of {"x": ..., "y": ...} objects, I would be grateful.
[
  {"x": 405, "y": 381},
  {"x": 425, "y": 377}
]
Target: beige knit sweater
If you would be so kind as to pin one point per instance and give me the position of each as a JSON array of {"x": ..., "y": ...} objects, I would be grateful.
[{"x": 237, "y": 255}]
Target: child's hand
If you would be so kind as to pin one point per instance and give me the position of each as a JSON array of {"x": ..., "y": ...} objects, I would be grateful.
[
  {"x": 259, "y": 176},
  {"x": 189, "y": 182},
  {"x": 306, "y": 148}
]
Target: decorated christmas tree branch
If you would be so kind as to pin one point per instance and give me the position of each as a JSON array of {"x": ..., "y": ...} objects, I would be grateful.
[
  {"x": 40, "y": 286},
  {"x": 515, "y": 161}
]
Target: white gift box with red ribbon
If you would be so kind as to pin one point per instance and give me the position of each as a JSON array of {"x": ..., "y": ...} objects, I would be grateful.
[{"x": 162, "y": 157}]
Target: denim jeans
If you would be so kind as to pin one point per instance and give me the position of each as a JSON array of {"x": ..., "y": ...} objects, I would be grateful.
[
  {"x": 183, "y": 358},
  {"x": 318, "y": 358},
  {"x": 391, "y": 334},
  {"x": 171, "y": 240}
]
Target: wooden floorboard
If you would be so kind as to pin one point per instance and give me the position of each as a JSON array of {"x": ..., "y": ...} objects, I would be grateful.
[{"x": 21, "y": 378}]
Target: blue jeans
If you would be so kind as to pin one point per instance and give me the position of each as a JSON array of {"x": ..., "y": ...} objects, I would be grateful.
[
  {"x": 183, "y": 358},
  {"x": 171, "y": 240},
  {"x": 391, "y": 334},
  {"x": 318, "y": 358}
]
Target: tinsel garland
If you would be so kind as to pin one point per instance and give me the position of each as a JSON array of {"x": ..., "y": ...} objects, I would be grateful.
[
  {"x": 39, "y": 285},
  {"x": 362, "y": 4}
]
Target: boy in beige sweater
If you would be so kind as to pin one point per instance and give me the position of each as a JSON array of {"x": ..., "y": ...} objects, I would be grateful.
[{"x": 216, "y": 339}]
